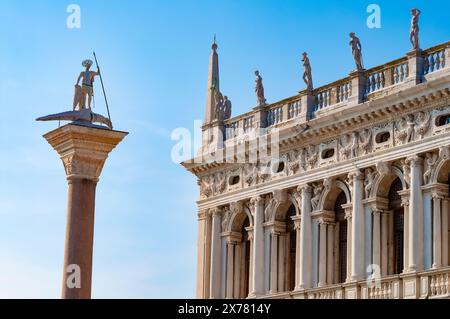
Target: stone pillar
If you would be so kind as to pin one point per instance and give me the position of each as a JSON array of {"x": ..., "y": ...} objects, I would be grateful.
[
  {"x": 385, "y": 230},
  {"x": 415, "y": 66},
  {"x": 215, "y": 280},
  {"x": 230, "y": 269},
  {"x": 376, "y": 241},
  {"x": 445, "y": 232},
  {"x": 281, "y": 262},
  {"x": 203, "y": 256},
  {"x": 358, "y": 226},
  {"x": 330, "y": 251},
  {"x": 348, "y": 217},
  {"x": 415, "y": 244},
  {"x": 274, "y": 263},
  {"x": 297, "y": 226},
  {"x": 358, "y": 86},
  {"x": 437, "y": 230},
  {"x": 306, "y": 239},
  {"x": 257, "y": 207},
  {"x": 322, "y": 253},
  {"x": 405, "y": 204},
  {"x": 83, "y": 150}
]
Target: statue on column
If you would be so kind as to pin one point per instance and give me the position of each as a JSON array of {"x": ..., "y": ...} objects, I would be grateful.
[
  {"x": 259, "y": 90},
  {"x": 355, "y": 45},
  {"x": 414, "y": 31},
  {"x": 307, "y": 73},
  {"x": 79, "y": 112},
  {"x": 86, "y": 90}
]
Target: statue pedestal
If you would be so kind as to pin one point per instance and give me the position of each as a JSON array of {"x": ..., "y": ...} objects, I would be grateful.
[{"x": 83, "y": 150}]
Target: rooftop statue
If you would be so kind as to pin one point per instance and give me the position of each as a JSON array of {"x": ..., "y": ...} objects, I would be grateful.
[
  {"x": 259, "y": 90},
  {"x": 355, "y": 45},
  {"x": 414, "y": 31},
  {"x": 223, "y": 106},
  {"x": 307, "y": 74},
  {"x": 86, "y": 91}
]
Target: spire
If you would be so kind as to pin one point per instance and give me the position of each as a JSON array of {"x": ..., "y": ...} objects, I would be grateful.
[{"x": 213, "y": 83}]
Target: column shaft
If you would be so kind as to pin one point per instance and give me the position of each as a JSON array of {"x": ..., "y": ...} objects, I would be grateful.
[
  {"x": 215, "y": 281},
  {"x": 444, "y": 232},
  {"x": 274, "y": 264},
  {"x": 258, "y": 249},
  {"x": 384, "y": 243},
  {"x": 358, "y": 227},
  {"x": 376, "y": 242},
  {"x": 322, "y": 254},
  {"x": 437, "y": 238},
  {"x": 79, "y": 239},
  {"x": 306, "y": 240},
  {"x": 330, "y": 261},
  {"x": 230, "y": 270},
  {"x": 297, "y": 259},
  {"x": 415, "y": 216}
]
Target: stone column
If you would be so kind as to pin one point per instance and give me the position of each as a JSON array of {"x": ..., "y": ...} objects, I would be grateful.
[
  {"x": 281, "y": 262},
  {"x": 376, "y": 241},
  {"x": 415, "y": 253},
  {"x": 274, "y": 263},
  {"x": 445, "y": 232},
  {"x": 215, "y": 281},
  {"x": 83, "y": 150},
  {"x": 405, "y": 204},
  {"x": 230, "y": 269},
  {"x": 437, "y": 238},
  {"x": 385, "y": 230},
  {"x": 306, "y": 239},
  {"x": 330, "y": 250},
  {"x": 297, "y": 223},
  {"x": 322, "y": 254},
  {"x": 257, "y": 207},
  {"x": 203, "y": 256},
  {"x": 357, "y": 226},
  {"x": 348, "y": 217}
]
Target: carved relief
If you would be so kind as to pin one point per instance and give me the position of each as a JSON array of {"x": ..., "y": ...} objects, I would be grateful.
[
  {"x": 251, "y": 175},
  {"x": 293, "y": 162},
  {"x": 430, "y": 163},
  {"x": 221, "y": 182},
  {"x": 345, "y": 148},
  {"x": 423, "y": 124},
  {"x": 311, "y": 156},
  {"x": 366, "y": 141},
  {"x": 317, "y": 193},
  {"x": 369, "y": 181},
  {"x": 226, "y": 219}
]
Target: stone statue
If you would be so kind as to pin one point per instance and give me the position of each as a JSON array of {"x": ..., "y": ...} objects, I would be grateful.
[
  {"x": 369, "y": 181},
  {"x": 414, "y": 31},
  {"x": 223, "y": 106},
  {"x": 259, "y": 90},
  {"x": 431, "y": 160},
  {"x": 307, "y": 74},
  {"x": 86, "y": 90},
  {"x": 81, "y": 114},
  {"x": 355, "y": 45},
  {"x": 317, "y": 192}
]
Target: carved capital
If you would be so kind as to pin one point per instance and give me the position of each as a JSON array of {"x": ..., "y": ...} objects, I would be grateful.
[
  {"x": 83, "y": 166},
  {"x": 356, "y": 175},
  {"x": 405, "y": 201},
  {"x": 414, "y": 161},
  {"x": 305, "y": 189}
]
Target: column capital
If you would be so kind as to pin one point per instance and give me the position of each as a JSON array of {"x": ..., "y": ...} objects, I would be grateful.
[
  {"x": 257, "y": 200},
  {"x": 355, "y": 175},
  {"x": 305, "y": 189},
  {"x": 83, "y": 149},
  {"x": 215, "y": 212},
  {"x": 414, "y": 160},
  {"x": 436, "y": 195},
  {"x": 405, "y": 201}
]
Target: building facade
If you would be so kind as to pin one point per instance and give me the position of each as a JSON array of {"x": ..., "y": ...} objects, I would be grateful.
[{"x": 341, "y": 191}]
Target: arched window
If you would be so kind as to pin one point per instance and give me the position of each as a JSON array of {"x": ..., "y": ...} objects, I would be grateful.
[
  {"x": 341, "y": 223},
  {"x": 398, "y": 236}
]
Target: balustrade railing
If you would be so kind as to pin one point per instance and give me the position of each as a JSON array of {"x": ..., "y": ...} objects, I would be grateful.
[
  {"x": 323, "y": 99},
  {"x": 294, "y": 109},
  {"x": 248, "y": 124},
  {"x": 375, "y": 81},
  {"x": 343, "y": 92},
  {"x": 274, "y": 115},
  {"x": 434, "y": 61},
  {"x": 231, "y": 130},
  {"x": 399, "y": 73}
]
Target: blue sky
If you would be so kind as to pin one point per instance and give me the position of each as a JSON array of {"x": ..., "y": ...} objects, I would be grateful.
[{"x": 154, "y": 57}]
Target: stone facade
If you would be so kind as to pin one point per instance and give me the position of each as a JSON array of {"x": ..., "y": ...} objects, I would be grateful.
[{"x": 356, "y": 205}]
